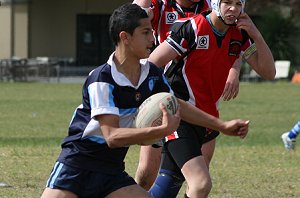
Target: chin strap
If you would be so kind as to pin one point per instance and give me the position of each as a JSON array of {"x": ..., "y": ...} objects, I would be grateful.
[
  {"x": 225, "y": 22},
  {"x": 221, "y": 18}
]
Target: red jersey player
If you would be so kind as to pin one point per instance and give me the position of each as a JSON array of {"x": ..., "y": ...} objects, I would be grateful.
[
  {"x": 163, "y": 14},
  {"x": 215, "y": 40}
]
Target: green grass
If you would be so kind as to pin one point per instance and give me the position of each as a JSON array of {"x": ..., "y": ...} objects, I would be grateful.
[{"x": 34, "y": 119}]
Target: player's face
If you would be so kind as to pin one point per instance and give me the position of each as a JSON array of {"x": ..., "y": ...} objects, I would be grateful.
[
  {"x": 230, "y": 10},
  {"x": 142, "y": 39}
]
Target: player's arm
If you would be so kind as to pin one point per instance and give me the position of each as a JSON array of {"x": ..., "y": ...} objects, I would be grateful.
[
  {"x": 258, "y": 56},
  {"x": 231, "y": 88},
  {"x": 145, "y": 4},
  {"x": 119, "y": 137},
  {"x": 172, "y": 46},
  {"x": 196, "y": 116},
  {"x": 162, "y": 54}
]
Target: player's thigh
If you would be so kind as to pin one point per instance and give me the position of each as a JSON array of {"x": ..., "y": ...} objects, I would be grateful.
[
  {"x": 57, "y": 193},
  {"x": 129, "y": 192},
  {"x": 150, "y": 157},
  {"x": 208, "y": 150},
  {"x": 195, "y": 171}
]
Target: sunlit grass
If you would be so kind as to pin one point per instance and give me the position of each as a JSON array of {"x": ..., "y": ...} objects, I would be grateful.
[{"x": 34, "y": 119}]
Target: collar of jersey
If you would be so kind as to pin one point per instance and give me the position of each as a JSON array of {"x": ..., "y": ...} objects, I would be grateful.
[
  {"x": 218, "y": 33},
  {"x": 121, "y": 79}
]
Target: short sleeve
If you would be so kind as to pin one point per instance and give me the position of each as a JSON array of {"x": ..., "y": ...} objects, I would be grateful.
[
  {"x": 101, "y": 99},
  {"x": 182, "y": 36}
]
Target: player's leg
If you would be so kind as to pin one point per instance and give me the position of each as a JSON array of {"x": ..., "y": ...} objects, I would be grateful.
[
  {"x": 289, "y": 138},
  {"x": 180, "y": 151},
  {"x": 197, "y": 176},
  {"x": 148, "y": 166},
  {"x": 192, "y": 156},
  {"x": 208, "y": 146},
  {"x": 193, "y": 166},
  {"x": 57, "y": 193},
  {"x": 169, "y": 179},
  {"x": 208, "y": 150},
  {"x": 129, "y": 192}
]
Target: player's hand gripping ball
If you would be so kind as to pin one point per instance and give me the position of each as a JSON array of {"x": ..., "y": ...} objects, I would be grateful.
[{"x": 149, "y": 114}]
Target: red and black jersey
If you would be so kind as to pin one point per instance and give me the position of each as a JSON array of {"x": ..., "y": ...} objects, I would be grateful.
[
  {"x": 166, "y": 12},
  {"x": 203, "y": 72}
]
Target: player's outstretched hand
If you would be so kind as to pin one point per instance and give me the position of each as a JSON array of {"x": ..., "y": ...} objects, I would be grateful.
[
  {"x": 236, "y": 128},
  {"x": 170, "y": 122}
]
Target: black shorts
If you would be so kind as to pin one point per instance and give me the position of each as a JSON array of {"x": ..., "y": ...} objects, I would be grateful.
[{"x": 177, "y": 152}]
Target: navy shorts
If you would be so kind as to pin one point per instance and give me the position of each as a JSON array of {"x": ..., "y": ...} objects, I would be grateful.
[
  {"x": 85, "y": 183},
  {"x": 177, "y": 152}
]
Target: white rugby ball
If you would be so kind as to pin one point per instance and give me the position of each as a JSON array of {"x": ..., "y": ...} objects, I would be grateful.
[{"x": 149, "y": 114}]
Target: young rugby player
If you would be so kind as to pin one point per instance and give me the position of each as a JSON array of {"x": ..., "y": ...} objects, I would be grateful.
[
  {"x": 91, "y": 162},
  {"x": 163, "y": 14},
  {"x": 213, "y": 40}
]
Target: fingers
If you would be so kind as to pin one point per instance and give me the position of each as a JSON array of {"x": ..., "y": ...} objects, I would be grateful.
[
  {"x": 170, "y": 122},
  {"x": 243, "y": 130},
  {"x": 165, "y": 112},
  {"x": 230, "y": 92},
  {"x": 231, "y": 87},
  {"x": 177, "y": 114},
  {"x": 236, "y": 93},
  {"x": 162, "y": 107}
]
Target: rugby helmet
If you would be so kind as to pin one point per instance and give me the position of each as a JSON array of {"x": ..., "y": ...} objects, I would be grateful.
[{"x": 215, "y": 5}]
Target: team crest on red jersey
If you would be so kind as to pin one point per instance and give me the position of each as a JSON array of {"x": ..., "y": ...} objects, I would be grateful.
[
  {"x": 203, "y": 42},
  {"x": 171, "y": 17},
  {"x": 234, "y": 48}
]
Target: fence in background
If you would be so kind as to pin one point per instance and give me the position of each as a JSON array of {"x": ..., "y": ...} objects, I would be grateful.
[{"x": 41, "y": 69}]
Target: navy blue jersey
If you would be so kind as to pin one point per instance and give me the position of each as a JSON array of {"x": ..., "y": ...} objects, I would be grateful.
[{"x": 107, "y": 91}]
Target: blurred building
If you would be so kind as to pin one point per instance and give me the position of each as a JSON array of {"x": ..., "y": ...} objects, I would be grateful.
[{"x": 75, "y": 29}]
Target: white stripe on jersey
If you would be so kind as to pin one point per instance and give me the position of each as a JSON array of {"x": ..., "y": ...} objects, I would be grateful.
[
  {"x": 178, "y": 48},
  {"x": 101, "y": 99},
  {"x": 195, "y": 29},
  {"x": 192, "y": 99}
]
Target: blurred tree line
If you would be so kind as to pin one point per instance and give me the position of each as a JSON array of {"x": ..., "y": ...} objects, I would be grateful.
[{"x": 279, "y": 23}]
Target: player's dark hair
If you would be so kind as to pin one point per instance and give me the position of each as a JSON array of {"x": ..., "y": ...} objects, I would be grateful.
[{"x": 125, "y": 18}]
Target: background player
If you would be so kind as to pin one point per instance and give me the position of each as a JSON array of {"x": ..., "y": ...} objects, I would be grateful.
[
  {"x": 289, "y": 138},
  {"x": 163, "y": 14},
  {"x": 200, "y": 80}
]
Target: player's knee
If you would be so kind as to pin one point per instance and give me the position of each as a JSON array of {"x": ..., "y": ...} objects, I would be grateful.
[
  {"x": 166, "y": 185},
  {"x": 144, "y": 179},
  {"x": 201, "y": 188}
]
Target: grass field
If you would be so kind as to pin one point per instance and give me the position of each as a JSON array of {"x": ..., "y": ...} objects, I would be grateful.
[{"x": 34, "y": 119}]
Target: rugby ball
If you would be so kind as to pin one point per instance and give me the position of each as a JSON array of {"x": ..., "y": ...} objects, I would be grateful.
[{"x": 149, "y": 114}]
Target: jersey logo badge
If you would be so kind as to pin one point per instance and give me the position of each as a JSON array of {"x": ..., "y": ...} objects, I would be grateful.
[
  {"x": 152, "y": 81},
  {"x": 234, "y": 48},
  {"x": 138, "y": 96},
  {"x": 171, "y": 17},
  {"x": 203, "y": 42}
]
